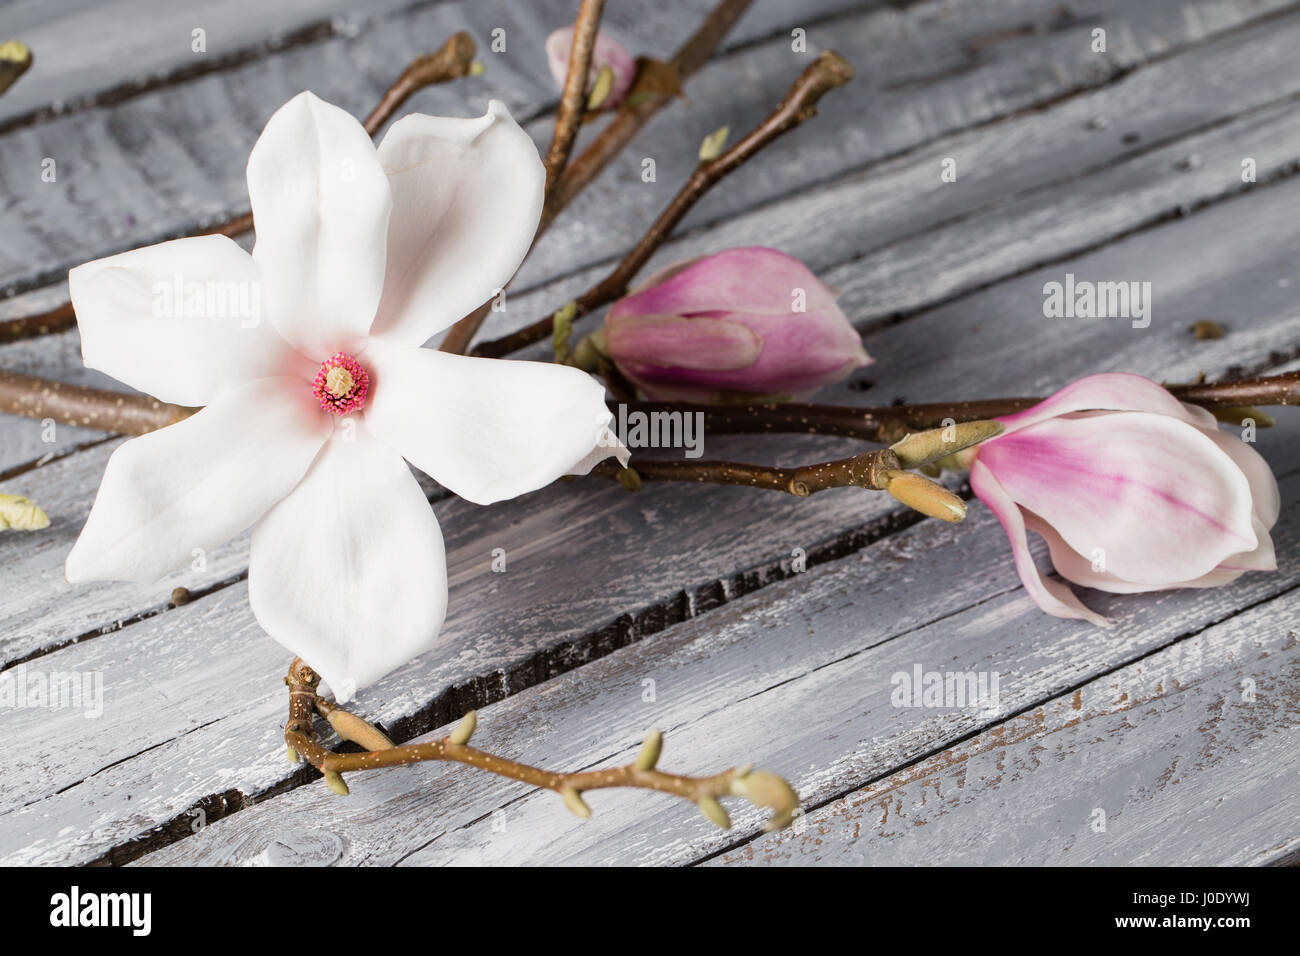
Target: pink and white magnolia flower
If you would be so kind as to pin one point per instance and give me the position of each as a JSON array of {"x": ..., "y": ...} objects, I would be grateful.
[
  {"x": 361, "y": 256},
  {"x": 741, "y": 323},
  {"x": 1132, "y": 490}
]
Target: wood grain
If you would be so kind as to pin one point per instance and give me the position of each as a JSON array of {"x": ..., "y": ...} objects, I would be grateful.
[
  {"x": 797, "y": 677},
  {"x": 600, "y": 581},
  {"x": 1166, "y": 762}
]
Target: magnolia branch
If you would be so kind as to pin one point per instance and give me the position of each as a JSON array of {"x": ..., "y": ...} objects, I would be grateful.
[
  {"x": 827, "y": 72},
  {"x": 453, "y": 60},
  {"x": 97, "y": 408},
  {"x": 573, "y": 100},
  {"x": 618, "y": 132},
  {"x": 883, "y": 470},
  {"x": 890, "y": 423},
  {"x": 124, "y": 414},
  {"x": 760, "y": 787}
]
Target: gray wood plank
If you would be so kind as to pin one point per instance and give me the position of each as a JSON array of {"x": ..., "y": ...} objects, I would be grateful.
[
  {"x": 168, "y": 160},
  {"x": 906, "y": 200},
  {"x": 1194, "y": 249},
  {"x": 1166, "y": 762},
  {"x": 157, "y": 164},
  {"x": 797, "y": 677}
]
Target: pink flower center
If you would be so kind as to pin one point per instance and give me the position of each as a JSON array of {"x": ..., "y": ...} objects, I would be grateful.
[{"x": 341, "y": 385}]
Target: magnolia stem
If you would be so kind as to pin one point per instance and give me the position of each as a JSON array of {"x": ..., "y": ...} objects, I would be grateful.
[
  {"x": 299, "y": 733},
  {"x": 889, "y": 423},
  {"x": 827, "y": 72},
  {"x": 452, "y": 61},
  {"x": 867, "y": 470},
  {"x": 618, "y": 132},
  {"x": 107, "y": 411},
  {"x": 573, "y": 101},
  {"x": 120, "y": 413}
]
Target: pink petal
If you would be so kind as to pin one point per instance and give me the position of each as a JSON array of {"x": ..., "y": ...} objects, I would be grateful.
[
  {"x": 1052, "y": 596},
  {"x": 1111, "y": 391},
  {"x": 677, "y": 342},
  {"x": 1157, "y": 496},
  {"x": 748, "y": 279}
]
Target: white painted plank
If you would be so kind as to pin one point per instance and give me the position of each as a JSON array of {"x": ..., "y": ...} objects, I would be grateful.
[
  {"x": 161, "y": 163},
  {"x": 921, "y": 348},
  {"x": 1186, "y": 757},
  {"x": 157, "y": 164},
  {"x": 797, "y": 677},
  {"x": 905, "y": 198}
]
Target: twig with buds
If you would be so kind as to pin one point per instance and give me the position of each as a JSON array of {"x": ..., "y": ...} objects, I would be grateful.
[
  {"x": 573, "y": 101},
  {"x": 827, "y": 72},
  {"x": 1230, "y": 400},
  {"x": 631, "y": 116},
  {"x": 125, "y": 414},
  {"x": 758, "y": 786},
  {"x": 453, "y": 60},
  {"x": 882, "y": 470}
]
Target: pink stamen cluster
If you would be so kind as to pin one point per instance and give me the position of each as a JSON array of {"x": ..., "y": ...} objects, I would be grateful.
[{"x": 354, "y": 399}]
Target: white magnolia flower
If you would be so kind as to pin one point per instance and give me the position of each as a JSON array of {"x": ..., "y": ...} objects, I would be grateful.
[{"x": 361, "y": 256}]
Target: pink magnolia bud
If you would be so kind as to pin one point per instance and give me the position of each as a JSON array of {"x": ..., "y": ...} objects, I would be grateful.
[
  {"x": 733, "y": 326},
  {"x": 607, "y": 52},
  {"x": 1131, "y": 489}
]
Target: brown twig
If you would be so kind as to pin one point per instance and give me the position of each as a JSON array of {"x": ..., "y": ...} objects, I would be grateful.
[
  {"x": 760, "y": 787},
  {"x": 827, "y": 72},
  {"x": 137, "y": 414},
  {"x": 618, "y": 132},
  {"x": 889, "y": 423},
  {"x": 86, "y": 407},
  {"x": 573, "y": 101},
  {"x": 867, "y": 470},
  {"x": 452, "y": 61}
]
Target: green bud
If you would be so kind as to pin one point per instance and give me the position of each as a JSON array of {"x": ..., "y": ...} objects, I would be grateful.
[
  {"x": 651, "y": 748},
  {"x": 715, "y": 812},
  {"x": 464, "y": 730},
  {"x": 920, "y": 448},
  {"x": 573, "y": 800},
  {"x": 711, "y": 147}
]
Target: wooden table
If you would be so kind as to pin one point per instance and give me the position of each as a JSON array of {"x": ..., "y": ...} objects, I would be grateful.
[{"x": 1169, "y": 738}]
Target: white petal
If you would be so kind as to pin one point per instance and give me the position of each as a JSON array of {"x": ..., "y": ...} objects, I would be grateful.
[
  {"x": 320, "y": 206},
  {"x": 606, "y": 445},
  {"x": 467, "y": 194},
  {"x": 488, "y": 429},
  {"x": 181, "y": 320},
  {"x": 199, "y": 483},
  {"x": 348, "y": 572},
  {"x": 1265, "y": 497}
]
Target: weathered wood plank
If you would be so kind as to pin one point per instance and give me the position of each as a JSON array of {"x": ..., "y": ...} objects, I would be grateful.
[
  {"x": 517, "y": 629},
  {"x": 158, "y": 164},
  {"x": 923, "y": 349},
  {"x": 797, "y": 677},
  {"x": 905, "y": 197},
  {"x": 1153, "y": 190},
  {"x": 1168, "y": 761},
  {"x": 924, "y": 72}
]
